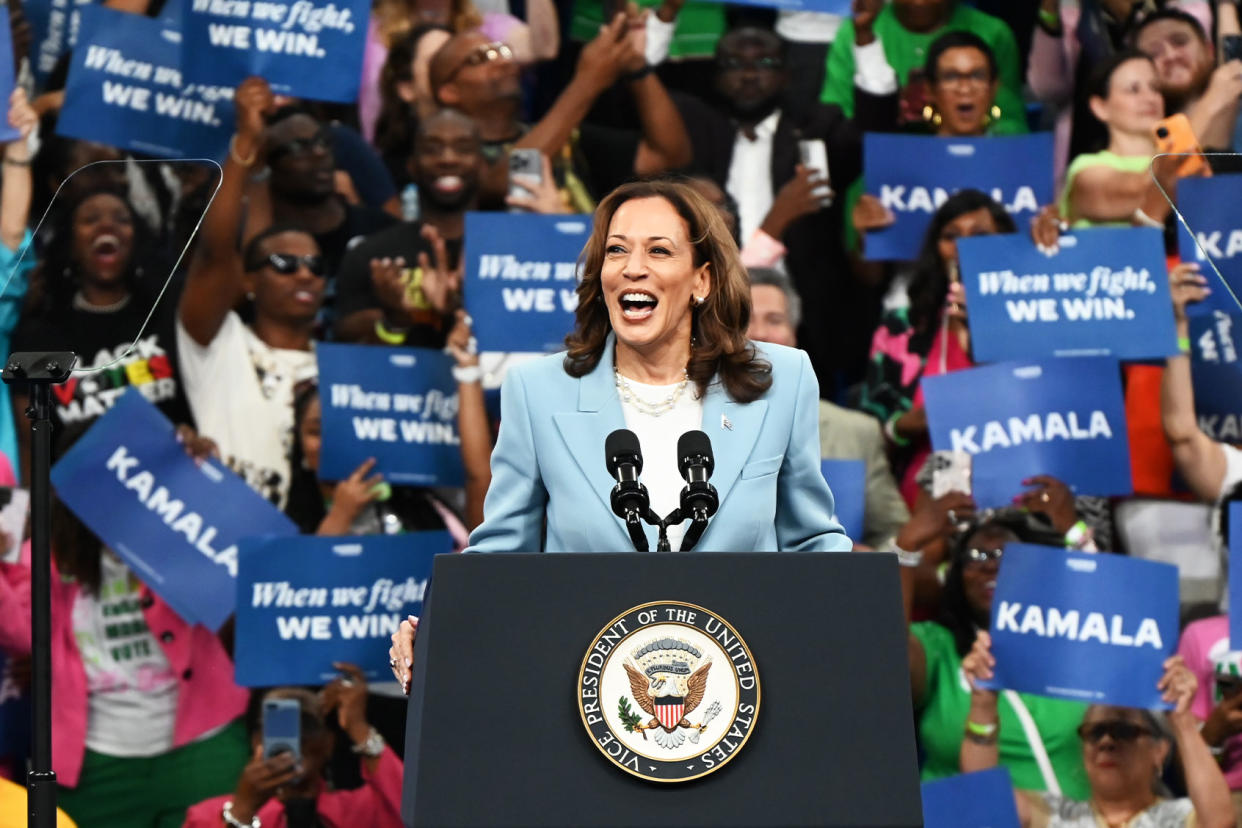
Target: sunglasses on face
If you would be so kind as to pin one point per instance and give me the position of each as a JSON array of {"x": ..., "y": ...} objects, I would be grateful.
[
  {"x": 321, "y": 140},
  {"x": 286, "y": 264},
  {"x": 979, "y": 557},
  {"x": 1228, "y": 687},
  {"x": 1118, "y": 731},
  {"x": 484, "y": 53}
]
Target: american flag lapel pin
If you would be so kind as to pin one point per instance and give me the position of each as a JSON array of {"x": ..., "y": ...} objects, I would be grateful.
[{"x": 726, "y": 423}]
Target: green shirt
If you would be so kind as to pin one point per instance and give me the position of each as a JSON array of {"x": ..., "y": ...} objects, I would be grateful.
[
  {"x": 907, "y": 51},
  {"x": 699, "y": 25},
  {"x": 1120, "y": 163},
  {"x": 946, "y": 705}
]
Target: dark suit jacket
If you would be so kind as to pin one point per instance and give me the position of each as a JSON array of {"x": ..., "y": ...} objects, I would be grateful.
[{"x": 838, "y": 315}]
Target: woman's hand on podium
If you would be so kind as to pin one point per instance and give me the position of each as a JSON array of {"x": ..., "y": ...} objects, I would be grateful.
[{"x": 401, "y": 654}]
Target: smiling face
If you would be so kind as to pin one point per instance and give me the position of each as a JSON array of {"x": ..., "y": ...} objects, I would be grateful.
[
  {"x": 447, "y": 160},
  {"x": 288, "y": 298},
  {"x": 963, "y": 91},
  {"x": 1119, "y": 752},
  {"x": 1183, "y": 59},
  {"x": 103, "y": 238},
  {"x": 980, "y": 567},
  {"x": 1134, "y": 103},
  {"x": 649, "y": 277}
]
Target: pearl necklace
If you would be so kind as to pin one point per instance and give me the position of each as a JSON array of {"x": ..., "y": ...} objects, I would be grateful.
[{"x": 656, "y": 409}]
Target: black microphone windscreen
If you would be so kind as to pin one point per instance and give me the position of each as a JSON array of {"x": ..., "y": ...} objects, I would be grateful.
[
  {"x": 622, "y": 443},
  {"x": 691, "y": 444}
]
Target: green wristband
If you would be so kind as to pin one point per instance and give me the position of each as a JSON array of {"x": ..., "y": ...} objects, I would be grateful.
[
  {"x": 985, "y": 730},
  {"x": 1183, "y": 344}
]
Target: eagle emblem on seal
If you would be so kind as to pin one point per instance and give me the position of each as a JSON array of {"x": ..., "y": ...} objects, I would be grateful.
[{"x": 668, "y": 679}]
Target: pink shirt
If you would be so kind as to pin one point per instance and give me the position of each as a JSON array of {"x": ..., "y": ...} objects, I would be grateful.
[
  {"x": 1205, "y": 647},
  {"x": 377, "y": 804},
  {"x": 207, "y": 697}
]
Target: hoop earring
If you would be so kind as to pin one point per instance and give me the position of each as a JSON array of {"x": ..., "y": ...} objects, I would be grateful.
[{"x": 931, "y": 116}]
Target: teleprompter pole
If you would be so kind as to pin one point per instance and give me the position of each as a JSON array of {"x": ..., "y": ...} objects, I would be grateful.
[{"x": 39, "y": 372}]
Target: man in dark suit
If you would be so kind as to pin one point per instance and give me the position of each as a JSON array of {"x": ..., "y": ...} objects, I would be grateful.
[{"x": 747, "y": 141}]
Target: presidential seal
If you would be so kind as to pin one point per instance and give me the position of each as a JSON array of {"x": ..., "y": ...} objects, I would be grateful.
[{"x": 668, "y": 691}]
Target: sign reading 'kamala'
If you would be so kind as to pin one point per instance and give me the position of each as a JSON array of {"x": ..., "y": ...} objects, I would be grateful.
[
  {"x": 1063, "y": 418},
  {"x": 1061, "y": 627}
]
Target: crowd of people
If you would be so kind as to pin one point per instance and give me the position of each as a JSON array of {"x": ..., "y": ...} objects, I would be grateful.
[{"x": 347, "y": 223}]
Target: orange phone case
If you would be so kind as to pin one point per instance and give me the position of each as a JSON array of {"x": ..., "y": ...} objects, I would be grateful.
[{"x": 1175, "y": 136}]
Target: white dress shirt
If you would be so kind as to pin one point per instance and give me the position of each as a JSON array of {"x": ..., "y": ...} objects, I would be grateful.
[{"x": 750, "y": 175}]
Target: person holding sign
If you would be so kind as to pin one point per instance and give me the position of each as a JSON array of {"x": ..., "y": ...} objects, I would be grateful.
[
  {"x": 240, "y": 378},
  {"x": 658, "y": 348},
  {"x": 287, "y": 788},
  {"x": 1124, "y": 751},
  {"x": 938, "y": 647},
  {"x": 1211, "y": 469},
  {"x": 147, "y": 717},
  {"x": 929, "y": 337}
]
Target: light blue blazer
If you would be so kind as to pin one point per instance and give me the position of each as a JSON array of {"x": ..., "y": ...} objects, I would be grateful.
[{"x": 549, "y": 460}]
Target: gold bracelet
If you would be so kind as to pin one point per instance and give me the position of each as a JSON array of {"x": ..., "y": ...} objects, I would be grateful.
[{"x": 245, "y": 162}]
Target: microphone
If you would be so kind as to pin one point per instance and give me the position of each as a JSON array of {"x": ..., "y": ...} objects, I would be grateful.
[
  {"x": 699, "y": 499},
  {"x": 630, "y": 500}
]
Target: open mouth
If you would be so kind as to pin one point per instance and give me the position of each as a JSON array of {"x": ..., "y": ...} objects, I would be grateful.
[
  {"x": 106, "y": 248},
  {"x": 449, "y": 184},
  {"x": 637, "y": 305},
  {"x": 306, "y": 297}
]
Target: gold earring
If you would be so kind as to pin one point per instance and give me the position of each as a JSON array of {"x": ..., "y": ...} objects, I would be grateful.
[{"x": 931, "y": 116}]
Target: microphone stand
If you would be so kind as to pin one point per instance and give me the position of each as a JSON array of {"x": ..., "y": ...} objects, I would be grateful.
[{"x": 39, "y": 372}]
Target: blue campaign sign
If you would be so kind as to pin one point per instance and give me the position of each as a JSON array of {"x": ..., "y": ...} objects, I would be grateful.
[
  {"x": 521, "y": 278},
  {"x": 912, "y": 175},
  {"x": 848, "y": 481},
  {"x": 125, "y": 89},
  {"x": 174, "y": 522},
  {"x": 54, "y": 26},
  {"x": 7, "y": 133},
  {"x": 1086, "y": 627},
  {"x": 1216, "y": 375},
  {"x": 1106, "y": 293},
  {"x": 1210, "y": 207},
  {"x": 1235, "y": 570},
  {"x": 398, "y": 405},
  {"x": 1065, "y": 418},
  {"x": 305, "y": 602},
  {"x": 984, "y": 799},
  {"x": 304, "y": 48}
]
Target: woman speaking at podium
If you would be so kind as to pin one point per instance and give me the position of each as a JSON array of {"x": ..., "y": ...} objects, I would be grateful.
[{"x": 659, "y": 348}]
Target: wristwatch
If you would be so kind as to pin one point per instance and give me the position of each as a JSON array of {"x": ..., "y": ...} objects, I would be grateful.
[{"x": 372, "y": 746}]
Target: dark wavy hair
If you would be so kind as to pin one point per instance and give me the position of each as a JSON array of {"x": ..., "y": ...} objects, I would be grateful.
[
  {"x": 57, "y": 277},
  {"x": 929, "y": 283},
  {"x": 719, "y": 346},
  {"x": 397, "y": 121}
]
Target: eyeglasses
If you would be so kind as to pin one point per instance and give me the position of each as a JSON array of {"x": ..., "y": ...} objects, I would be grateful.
[
  {"x": 321, "y": 140},
  {"x": 1119, "y": 732},
  {"x": 763, "y": 64},
  {"x": 979, "y": 77},
  {"x": 287, "y": 264},
  {"x": 483, "y": 53},
  {"x": 1228, "y": 686},
  {"x": 979, "y": 557}
]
